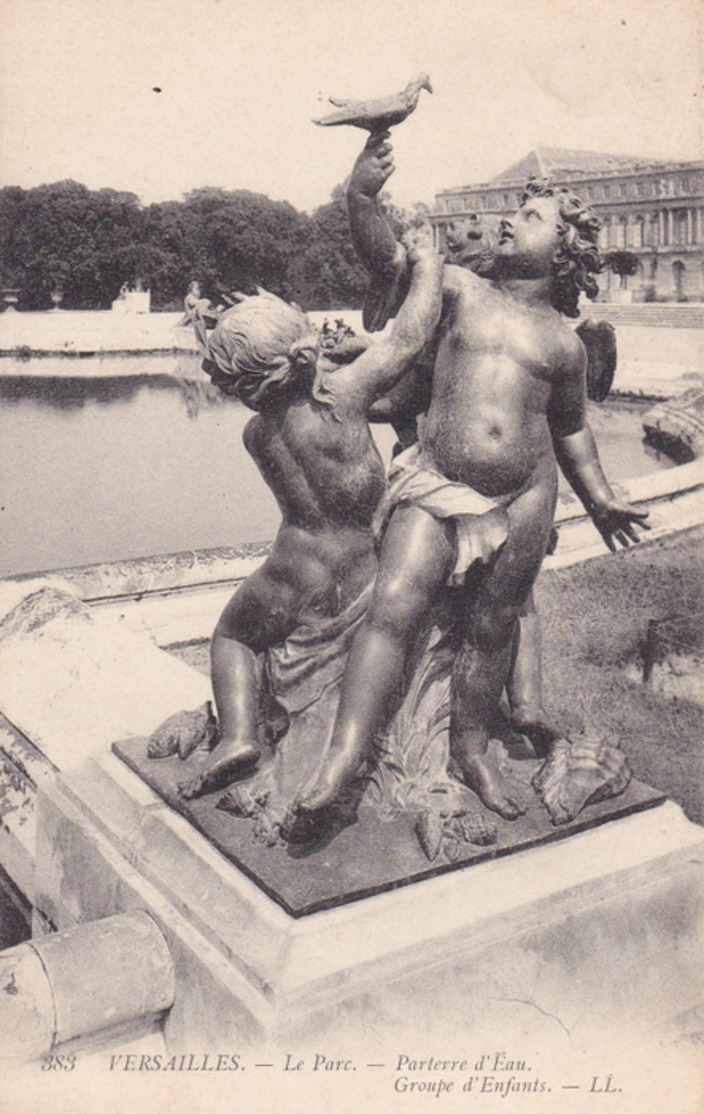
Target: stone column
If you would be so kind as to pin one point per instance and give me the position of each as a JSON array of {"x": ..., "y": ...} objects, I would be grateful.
[{"x": 83, "y": 981}]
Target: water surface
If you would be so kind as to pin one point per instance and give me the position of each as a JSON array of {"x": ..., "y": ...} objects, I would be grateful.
[{"x": 107, "y": 466}]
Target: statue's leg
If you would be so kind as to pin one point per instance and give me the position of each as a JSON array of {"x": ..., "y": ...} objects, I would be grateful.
[
  {"x": 262, "y": 613},
  {"x": 481, "y": 668},
  {"x": 417, "y": 557},
  {"x": 525, "y": 689},
  {"x": 525, "y": 682},
  {"x": 236, "y": 676}
]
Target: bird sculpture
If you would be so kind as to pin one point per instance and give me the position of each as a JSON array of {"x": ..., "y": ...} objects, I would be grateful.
[{"x": 377, "y": 116}]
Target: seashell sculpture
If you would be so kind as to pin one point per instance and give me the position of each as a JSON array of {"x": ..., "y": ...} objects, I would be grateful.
[
  {"x": 438, "y": 829},
  {"x": 580, "y": 773},
  {"x": 183, "y": 732}
]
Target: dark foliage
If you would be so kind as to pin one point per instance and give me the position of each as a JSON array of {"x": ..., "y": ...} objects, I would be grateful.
[
  {"x": 622, "y": 262},
  {"x": 87, "y": 243}
]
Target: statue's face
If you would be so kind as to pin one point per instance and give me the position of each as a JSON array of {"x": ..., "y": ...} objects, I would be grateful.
[
  {"x": 461, "y": 232},
  {"x": 226, "y": 383},
  {"x": 528, "y": 243}
]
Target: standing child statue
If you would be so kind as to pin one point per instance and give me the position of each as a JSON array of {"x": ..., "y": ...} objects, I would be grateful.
[{"x": 508, "y": 401}]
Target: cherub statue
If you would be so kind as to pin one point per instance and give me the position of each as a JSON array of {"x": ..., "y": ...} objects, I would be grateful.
[
  {"x": 312, "y": 444},
  {"x": 468, "y": 243},
  {"x": 507, "y": 403}
]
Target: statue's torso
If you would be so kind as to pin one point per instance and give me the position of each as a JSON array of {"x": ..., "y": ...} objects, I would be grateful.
[
  {"x": 495, "y": 368},
  {"x": 322, "y": 472}
]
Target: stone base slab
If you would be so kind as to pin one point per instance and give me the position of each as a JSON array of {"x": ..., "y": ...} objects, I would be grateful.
[
  {"x": 601, "y": 930},
  {"x": 362, "y": 856}
]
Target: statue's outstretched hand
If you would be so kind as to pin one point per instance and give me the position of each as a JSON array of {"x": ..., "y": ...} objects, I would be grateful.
[
  {"x": 374, "y": 166},
  {"x": 616, "y": 521}
]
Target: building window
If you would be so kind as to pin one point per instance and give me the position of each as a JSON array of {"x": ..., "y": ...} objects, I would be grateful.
[
  {"x": 678, "y": 277},
  {"x": 621, "y": 233},
  {"x": 607, "y": 191}
]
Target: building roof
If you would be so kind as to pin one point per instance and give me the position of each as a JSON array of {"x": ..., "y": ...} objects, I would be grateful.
[{"x": 545, "y": 162}]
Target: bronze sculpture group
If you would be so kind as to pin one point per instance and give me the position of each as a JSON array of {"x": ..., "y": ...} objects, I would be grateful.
[{"x": 389, "y": 642}]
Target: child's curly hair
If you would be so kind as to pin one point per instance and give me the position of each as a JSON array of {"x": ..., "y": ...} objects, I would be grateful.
[
  {"x": 260, "y": 342},
  {"x": 579, "y": 260}
]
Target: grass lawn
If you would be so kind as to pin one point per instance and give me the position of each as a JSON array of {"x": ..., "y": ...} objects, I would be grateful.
[{"x": 594, "y": 621}]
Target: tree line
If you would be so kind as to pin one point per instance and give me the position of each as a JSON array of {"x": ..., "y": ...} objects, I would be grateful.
[{"x": 86, "y": 244}]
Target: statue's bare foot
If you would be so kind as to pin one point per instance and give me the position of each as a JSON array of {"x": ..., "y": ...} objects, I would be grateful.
[
  {"x": 305, "y": 826},
  {"x": 230, "y": 759},
  {"x": 327, "y": 785},
  {"x": 481, "y": 773}
]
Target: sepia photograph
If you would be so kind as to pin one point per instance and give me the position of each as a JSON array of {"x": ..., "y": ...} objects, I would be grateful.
[{"x": 351, "y": 565}]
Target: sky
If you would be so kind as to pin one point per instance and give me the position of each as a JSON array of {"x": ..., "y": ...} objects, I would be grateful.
[{"x": 240, "y": 81}]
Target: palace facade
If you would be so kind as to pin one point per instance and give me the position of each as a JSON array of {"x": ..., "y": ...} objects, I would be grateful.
[{"x": 651, "y": 208}]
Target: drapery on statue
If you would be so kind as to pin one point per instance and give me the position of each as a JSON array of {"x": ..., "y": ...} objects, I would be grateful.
[{"x": 508, "y": 401}]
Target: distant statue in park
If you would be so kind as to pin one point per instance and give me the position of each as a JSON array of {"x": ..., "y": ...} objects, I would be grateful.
[{"x": 194, "y": 304}]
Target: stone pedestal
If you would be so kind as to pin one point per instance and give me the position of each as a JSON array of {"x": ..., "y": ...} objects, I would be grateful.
[
  {"x": 134, "y": 301},
  {"x": 596, "y": 936},
  {"x": 597, "y": 933},
  {"x": 677, "y": 426}
]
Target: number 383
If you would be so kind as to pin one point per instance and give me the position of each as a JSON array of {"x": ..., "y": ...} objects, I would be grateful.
[{"x": 58, "y": 1063}]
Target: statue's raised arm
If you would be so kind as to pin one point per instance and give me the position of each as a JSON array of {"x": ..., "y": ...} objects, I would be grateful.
[{"x": 372, "y": 236}]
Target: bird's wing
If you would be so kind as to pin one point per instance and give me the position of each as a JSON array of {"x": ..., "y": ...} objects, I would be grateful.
[
  {"x": 340, "y": 102},
  {"x": 367, "y": 111}
]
